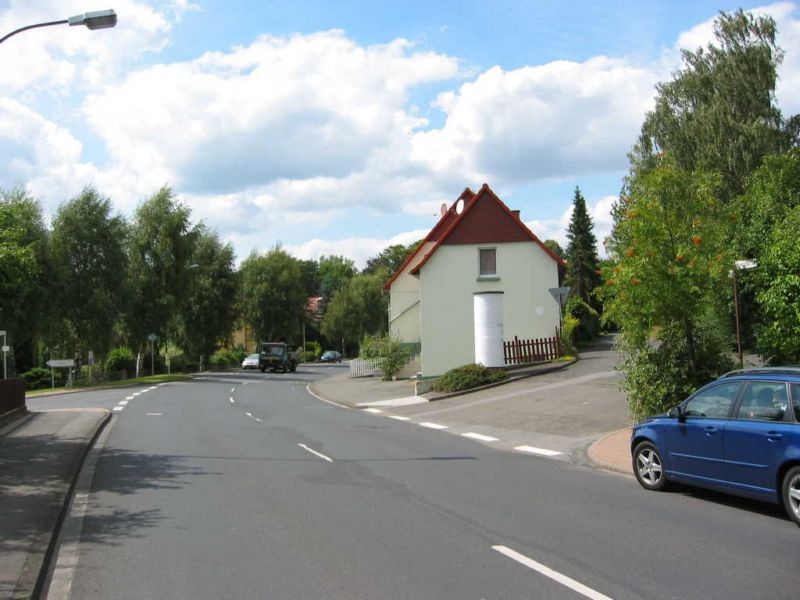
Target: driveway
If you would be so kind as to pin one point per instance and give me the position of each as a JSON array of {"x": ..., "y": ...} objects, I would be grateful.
[{"x": 561, "y": 412}]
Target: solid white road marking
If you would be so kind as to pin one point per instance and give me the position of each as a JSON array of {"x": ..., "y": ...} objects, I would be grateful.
[
  {"x": 117, "y": 408},
  {"x": 479, "y": 437},
  {"x": 575, "y": 586},
  {"x": 539, "y": 451},
  {"x": 373, "y": 410},
  {"x": 315, "y": 453},
  {"x": 433, "y": 426},
  {"x": 321, "y": 399},
  {"x": 399, "y": 418},
  {"x": 123, "y": 402}
]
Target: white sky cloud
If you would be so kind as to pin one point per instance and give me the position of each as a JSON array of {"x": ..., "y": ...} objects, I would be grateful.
[{"x": 291, "y": 132}]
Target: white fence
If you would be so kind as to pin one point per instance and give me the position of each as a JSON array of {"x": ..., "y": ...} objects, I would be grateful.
[{"x": 365, "y": 367}]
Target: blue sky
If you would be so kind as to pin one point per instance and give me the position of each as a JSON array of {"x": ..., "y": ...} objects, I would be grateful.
[{"x": 340, "y": 127}]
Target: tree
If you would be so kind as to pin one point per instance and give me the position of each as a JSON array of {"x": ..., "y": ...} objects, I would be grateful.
[
  {"x": 762, "y": 217},
  {"x": 91, "y": 264},
  {"x": 333, "y": 272},
  {"x": 160, "y": 250},
  {"x": 272, "y": 295},
  {"x": 555, "y": 248},
  {"x": 209, "y": 312},
  {"x": 357, "y": 309},
  {"x": 390, "y": 258},
  {"x": 668, "y": 286},
  {"x": 581, "y": 254},
  {"x": 719, "y": 113},
  {"x": 25, "y": 271},
  {"x": 778, "y": 292}
]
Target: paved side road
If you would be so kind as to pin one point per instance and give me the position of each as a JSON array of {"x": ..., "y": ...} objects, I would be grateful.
[
  {"x": 577, "y": 413},
  {"x": 40, "y": 457}
]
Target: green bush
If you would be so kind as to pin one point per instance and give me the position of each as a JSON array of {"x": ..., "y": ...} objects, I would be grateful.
[
  {"x": 120, "y": 359},
  {"x": 588, "y": 327},
  {"x": 313, "y": 348},
  {"x": 306, "y": 356},
  {"x": 566, "y": 334},
  {"x": 37, "y": 378},
  {"x": 224, "y": 358},
  {"x": 392, "y": 353},
  {"x": 467, "y": 377}
]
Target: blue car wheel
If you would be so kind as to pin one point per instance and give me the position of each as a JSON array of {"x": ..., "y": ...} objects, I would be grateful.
[{"x": 648, "y": 467}]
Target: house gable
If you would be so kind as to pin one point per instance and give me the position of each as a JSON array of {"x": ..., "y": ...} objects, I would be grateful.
[{"x": 485, "y": 219}]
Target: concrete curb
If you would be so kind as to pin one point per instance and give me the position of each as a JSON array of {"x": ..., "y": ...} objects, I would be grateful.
[
  {"x": 50, "y": 552},
  {"x": 596, "y": 453}
]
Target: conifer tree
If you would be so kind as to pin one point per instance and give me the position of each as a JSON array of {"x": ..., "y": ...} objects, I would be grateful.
[{"x": 582, "y": 260}]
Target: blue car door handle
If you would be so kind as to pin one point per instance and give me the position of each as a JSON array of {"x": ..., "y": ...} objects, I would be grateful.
[
  {"x": 774, "y": 436},
  {"x": 711, "y": 430}
]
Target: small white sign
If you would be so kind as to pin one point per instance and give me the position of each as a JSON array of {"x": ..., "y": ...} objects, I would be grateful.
[
  {"x": 61, "y": 362},
  {"x": 6, "y": 348}
]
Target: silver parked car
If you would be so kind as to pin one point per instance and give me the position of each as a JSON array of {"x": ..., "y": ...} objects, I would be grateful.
[{"x": 251, "y": 362}]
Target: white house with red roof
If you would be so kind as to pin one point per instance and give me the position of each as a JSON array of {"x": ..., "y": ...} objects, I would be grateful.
[{"x": 479, "y": 247}]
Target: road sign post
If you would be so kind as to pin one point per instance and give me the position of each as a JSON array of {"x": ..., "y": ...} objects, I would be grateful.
[
  {"x": 152, "y": 337},
  {"x": 560, "y": 295},
  {"x": 54, "y": 363},
  {"x": 5, "y": 352}
]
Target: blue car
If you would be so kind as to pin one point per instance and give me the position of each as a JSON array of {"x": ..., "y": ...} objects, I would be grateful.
[{"x": 739, "y": 434}]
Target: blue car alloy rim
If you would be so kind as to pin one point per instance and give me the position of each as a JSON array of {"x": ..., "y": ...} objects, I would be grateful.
[{"x": 648, "y": 465}]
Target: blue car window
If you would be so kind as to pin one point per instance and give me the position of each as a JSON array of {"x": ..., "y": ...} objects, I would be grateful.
[
  {"x": 714, "y": 402},
  {"x": 763, "y": 401},
  {"x": 796, "y": 401}
]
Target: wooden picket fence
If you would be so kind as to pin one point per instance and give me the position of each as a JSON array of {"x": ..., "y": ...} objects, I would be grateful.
[{"x": 517, "y": 351}]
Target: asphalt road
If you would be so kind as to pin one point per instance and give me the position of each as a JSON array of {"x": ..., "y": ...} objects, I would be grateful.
[{"x": 245, "y": 486}]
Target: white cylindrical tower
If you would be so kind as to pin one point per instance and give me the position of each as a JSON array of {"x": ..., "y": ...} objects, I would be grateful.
[{"x": 488, "y": 311}]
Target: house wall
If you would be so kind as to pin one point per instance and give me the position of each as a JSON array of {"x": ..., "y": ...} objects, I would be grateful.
[
  {"x": 404, "y": 302},
  {"x": 449, "y": 280}
]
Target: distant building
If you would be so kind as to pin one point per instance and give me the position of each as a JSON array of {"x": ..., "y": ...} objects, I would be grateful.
[{"x": 479, "y": 249}]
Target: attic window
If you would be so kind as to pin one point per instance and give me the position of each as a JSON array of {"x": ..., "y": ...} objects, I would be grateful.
[{"x": 488, "y": 261}]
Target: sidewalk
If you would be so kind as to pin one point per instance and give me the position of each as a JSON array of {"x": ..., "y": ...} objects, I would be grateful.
[
  {"x": 610, "y": 451},
  {"x": 40, "y": 457}
]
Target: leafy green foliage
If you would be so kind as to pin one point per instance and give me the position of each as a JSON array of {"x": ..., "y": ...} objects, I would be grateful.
[
  {"x": 581, "y": 254},
  {"x": 390, "y": 259},
  {"x": 272, "y": 295},
  {"x": 588, "y": 318},
  {"x": 37, "y": 378},
  {"x": 467, "y": 377},
  {"x": 555, "y": 248},
  {"x": 334, "y": 273},
  {"x": 719, "y": 113},
  {"x": 357, "y": 309},
  {"x": 778, "y": 277},
  {"x": 209, "y": 307},
  {"x": 225, "y": 358},
  {"x": 91, "y": 266},
  {"x": 160, "y": 249},
  {"x": 668, "y": 285},
  {"x": 120, "y": 359},
  {"x": 25, "y": 271},
  {"x": 392, "y": 353}
]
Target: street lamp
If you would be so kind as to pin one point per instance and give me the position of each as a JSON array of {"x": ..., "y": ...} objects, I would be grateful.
[
  {"x": 98, "y": 19},
  {"x": 743, "y": 265}
]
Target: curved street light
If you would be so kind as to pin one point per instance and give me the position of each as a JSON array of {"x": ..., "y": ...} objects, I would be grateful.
[{"x": 98, "y": 19}]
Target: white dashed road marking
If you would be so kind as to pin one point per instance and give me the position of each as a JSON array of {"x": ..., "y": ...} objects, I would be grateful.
[
  {"x": 123, "y": 402},
  {"x": 433, "y": 426},
  {"x": 480, "y": 437},
  {"x": 232, "y": 400},
  {"x": 399, "y": 418},
  {"x": 154, "y": 414},
  {"x": 373, "y": 410},
  {"x": 575, "y": 586},
  {"x": 129, "y": 397},
  {"x": 539, "y": 451},
  {"x": 117, "y": 408},
  {"x": 315, "y": 453}
]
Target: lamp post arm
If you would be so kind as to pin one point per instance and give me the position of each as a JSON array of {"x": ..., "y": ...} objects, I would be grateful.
[{"x": 21, "y": 29}]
